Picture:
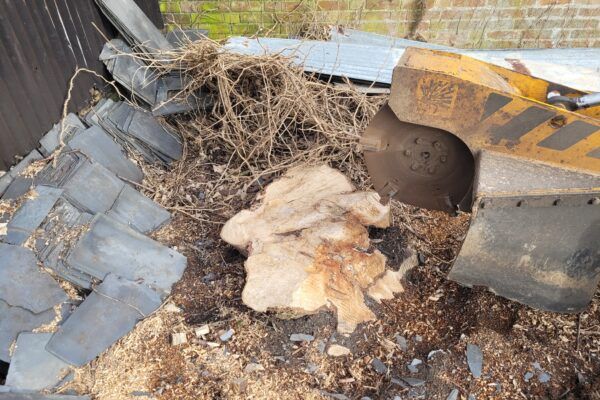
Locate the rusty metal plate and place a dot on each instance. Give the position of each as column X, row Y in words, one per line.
column 415, row 164
column 540, row 250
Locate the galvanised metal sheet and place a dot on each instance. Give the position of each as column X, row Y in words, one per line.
column 42, row 42
column 578, row 68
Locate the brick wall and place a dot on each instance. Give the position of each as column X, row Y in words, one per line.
column 461, row 23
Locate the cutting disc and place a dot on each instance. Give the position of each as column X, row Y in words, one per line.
column 416, row 164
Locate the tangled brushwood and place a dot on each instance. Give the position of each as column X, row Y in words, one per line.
column 266, row 116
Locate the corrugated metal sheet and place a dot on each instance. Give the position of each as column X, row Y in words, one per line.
column 42, row 42
column 581, row 57
column 373, row 63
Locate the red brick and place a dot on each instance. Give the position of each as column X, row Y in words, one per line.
column 589, row 12
column 581, row 34
column 247, row 5
column 504, row 35
column 293, row 6
column 331, row 5
column 591, row 23
column 271, row 5
column 510, row 13
column 383, row 4
column 553, row 2
column 468, row 3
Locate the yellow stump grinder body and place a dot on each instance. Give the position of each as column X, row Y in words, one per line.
column 461, row 133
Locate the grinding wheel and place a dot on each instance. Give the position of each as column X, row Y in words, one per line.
column 417, row 165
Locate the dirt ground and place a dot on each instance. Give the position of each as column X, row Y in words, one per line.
column 261, row 362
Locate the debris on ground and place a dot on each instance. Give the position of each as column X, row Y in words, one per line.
column 474, row 359
column 335, row 350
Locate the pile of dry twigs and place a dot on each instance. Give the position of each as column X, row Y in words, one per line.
column 266, row 116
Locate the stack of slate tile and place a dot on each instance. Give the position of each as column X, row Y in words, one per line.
column 80, row 219
column 160, row 92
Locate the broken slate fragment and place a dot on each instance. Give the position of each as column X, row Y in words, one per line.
column 453, row 395
column 32, row 367
column 112, row 247
column 406, row 381
column 544, row 377
column 413, row 366
column 227, row 335
column 401, row 341
column 474, row 359
column 106, row 315
column 379, row 366
column 23, row 284
column 14, row 320
column 301, row 337
column 31, row 214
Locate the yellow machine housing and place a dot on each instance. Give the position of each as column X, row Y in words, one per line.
column 461, row 133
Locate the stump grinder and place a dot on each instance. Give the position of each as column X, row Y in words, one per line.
column 521, row 153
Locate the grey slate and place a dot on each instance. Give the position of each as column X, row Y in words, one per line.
column 31, row 214
column 38, row 396
column 5, row 181
column 25, row 162
column 17, row 187
column 14, row 320
column 96, row 144
column 474, row 360
column 23, row 284
column 13, row 184
column 453, row 395
column 178, row 37
column 138, row 296
column 93, row 188
column 134, row 25
column 50, row 141
column 112, row 247
column 146, row 128
column 103, row 318
column 59, row 171
column 379, row 366
column 136, row 129
column 51, row 247
column 32, row 367
column 131, row 72
column 136, row 210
